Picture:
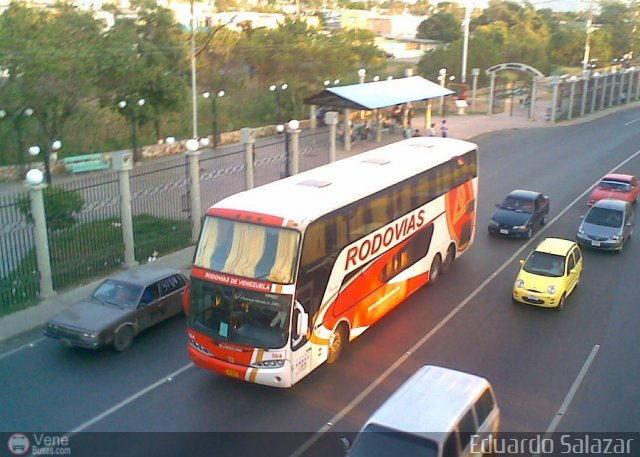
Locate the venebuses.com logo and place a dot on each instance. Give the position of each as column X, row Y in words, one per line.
column 38, row 444
column 18, row 444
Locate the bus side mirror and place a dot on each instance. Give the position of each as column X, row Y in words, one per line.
column 302, row 326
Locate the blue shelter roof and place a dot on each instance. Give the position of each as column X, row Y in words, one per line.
column 380, row 94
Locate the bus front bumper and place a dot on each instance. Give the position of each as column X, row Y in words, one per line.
column 274, row 377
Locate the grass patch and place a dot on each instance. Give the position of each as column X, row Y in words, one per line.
column 90, row 250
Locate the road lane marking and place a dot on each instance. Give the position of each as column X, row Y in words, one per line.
column 569, row 397
column 356, row 401
column 572, row 391
column 132, row 398
column 631, row 122
column 20, row 348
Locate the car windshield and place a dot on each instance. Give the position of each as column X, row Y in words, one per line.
column 248, row 250
column 118, row 293
column 605, row 217
column 245, row 317
column 545, row 264
column 516, row 204
column 378, row 441
column 615, row 185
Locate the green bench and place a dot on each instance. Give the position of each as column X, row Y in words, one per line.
column 85, row 162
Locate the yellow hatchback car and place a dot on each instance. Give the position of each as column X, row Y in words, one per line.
column 550, row 273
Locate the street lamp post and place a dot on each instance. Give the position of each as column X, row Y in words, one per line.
column 214, row 114
column 17, row 117
column 132, row 112
column 442, row 77
column 276, row 91
column 362, row 73
column 53, row 149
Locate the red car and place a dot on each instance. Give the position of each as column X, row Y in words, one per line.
column 616, row 186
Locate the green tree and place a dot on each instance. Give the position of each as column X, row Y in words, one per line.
column 61, row 207
column 50, row 59
column 567, row 46
column 146, row 58
column 444, row 27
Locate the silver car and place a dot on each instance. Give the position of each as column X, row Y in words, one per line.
column 608, row 225
column 121, row 307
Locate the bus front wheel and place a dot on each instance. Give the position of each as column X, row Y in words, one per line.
column 434, row 272
column 337, row 343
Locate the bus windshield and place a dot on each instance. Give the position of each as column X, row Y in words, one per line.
column 248, row 250
column 243, row 317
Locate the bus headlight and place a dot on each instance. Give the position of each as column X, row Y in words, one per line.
column 268, row 364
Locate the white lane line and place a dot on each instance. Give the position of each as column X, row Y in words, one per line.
column 20, row 348
column 356, row 401
column 631, row 122
column 132, row 398
column 574, row 388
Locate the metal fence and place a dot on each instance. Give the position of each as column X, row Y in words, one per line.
column 93, row 244
column 19, row 285
column 88, row 243
column 314, row 149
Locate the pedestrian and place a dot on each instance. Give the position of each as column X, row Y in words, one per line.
column 443, row 128
column 416, row 132
column 432, row 129
column 407, row 132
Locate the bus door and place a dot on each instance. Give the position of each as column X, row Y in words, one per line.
column 300, row 345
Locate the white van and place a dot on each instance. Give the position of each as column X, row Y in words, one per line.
column 437, row 412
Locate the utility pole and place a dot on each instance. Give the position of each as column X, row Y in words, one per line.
column 587, row 44
column 465, row 46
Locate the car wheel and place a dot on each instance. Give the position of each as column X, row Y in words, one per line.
column 448, row 260
column 123, row 339
column 337, row 343
column 560, row 303
column 543, row 221
column 434, row 272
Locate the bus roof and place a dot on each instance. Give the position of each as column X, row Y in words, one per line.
column 304, row 197
column 432, row 400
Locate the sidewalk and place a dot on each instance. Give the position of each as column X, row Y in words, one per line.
column 460, row 126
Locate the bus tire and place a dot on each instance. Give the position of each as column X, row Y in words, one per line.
column 448, row 260
column 338, row 341
column 434, row 271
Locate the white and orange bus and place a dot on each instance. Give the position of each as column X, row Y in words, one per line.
column 286, row 274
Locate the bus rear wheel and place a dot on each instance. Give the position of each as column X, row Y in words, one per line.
column 338, row 341
column 448, row 261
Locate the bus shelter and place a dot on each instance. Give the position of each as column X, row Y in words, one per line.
column 374, row 96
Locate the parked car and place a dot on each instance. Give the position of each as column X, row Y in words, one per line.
column 617, row 187
column 550, row 273
column 519, row 213
column 607, row 225
column 122, row 306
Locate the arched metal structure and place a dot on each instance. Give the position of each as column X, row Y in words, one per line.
column 537, row 75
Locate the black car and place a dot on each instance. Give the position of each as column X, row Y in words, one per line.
column 519, row 213
column 121, row 307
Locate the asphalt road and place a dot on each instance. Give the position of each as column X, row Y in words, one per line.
column 570, row 371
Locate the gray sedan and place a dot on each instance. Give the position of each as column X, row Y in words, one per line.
column 121, row 307
column 607, row 225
